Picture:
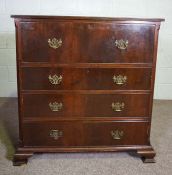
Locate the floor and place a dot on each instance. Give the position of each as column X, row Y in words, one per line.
column 92, row 163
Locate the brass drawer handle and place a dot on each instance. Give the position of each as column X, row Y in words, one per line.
column 56, row 134
column 55, row 79
column 117, row 135
column 55, row 43
column 119, row 79
column 55, row 106
column 117, row 107
column 121, row 44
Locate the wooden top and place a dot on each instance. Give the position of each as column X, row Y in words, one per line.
column 87, row 18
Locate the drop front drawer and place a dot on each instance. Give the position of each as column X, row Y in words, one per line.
column 86, row 42
column 85, row 105
column 86, row 78
column 77, row 133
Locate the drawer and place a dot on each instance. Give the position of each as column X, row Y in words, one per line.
column 45, row 41
column 86, row 42
column 85, row 105
column 86, row 78
column 86, row 133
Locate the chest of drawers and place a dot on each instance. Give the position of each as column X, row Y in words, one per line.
column 85, row 84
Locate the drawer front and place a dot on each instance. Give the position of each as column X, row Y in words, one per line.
column 85, row 105
column 114, row 43
column 86, row 78
column 85, row 133
column 38, row 44
column 78, row 42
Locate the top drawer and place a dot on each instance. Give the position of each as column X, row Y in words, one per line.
column 86, row 42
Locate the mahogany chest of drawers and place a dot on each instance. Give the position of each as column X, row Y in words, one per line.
column 85, row 84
